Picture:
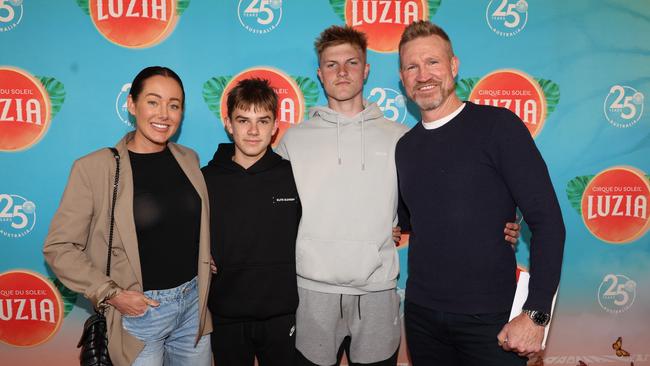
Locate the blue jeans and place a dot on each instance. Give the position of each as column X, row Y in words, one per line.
column 169, row 330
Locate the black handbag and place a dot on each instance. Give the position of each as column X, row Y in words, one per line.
column 94, row 340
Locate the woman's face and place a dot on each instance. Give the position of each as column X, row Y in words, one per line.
column 158, row 112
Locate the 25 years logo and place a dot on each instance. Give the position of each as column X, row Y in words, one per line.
column 17, row 215
column 507, row 17
column 121, row 108
column 623, row 106
column 11, row 13
column 616, row 293
column 383, row 21
column 259, row 16
column 27, row 106
column 390, row 101
column 295, row 94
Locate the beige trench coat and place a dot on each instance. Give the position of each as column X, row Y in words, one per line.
column 76, row 246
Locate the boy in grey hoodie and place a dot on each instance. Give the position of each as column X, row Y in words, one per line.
column 343, row 159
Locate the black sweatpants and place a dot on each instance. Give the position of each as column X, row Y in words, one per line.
column 272, row 341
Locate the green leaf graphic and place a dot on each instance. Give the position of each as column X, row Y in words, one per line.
column 83, row 4
column 181, row 6
column 212, row 91
column 552, row 93
column 574, row 190
column 465, row 86
column 309, row 89
column 56, row 90
column 339, row 8
column 433, row 7
column 69, row 296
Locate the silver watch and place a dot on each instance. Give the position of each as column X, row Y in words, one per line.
column 538, row 317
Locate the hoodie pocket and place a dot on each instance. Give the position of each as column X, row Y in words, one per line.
column 340, row 262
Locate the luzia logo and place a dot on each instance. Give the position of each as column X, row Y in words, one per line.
column 27, row 106
column 531, row 99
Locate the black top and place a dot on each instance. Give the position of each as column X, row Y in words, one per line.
column 167, row 213
column 253, row 224
column 460, row 184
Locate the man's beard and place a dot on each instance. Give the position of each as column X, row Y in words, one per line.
column 432, row 103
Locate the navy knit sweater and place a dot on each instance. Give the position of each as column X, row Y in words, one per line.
column 460, row 184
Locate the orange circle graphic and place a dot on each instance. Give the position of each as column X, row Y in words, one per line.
column 515, row 90
column 384, row 21
column 134, row 23
column 291, row 103
column 31, row 308
column 615, row 204
column 24, row 109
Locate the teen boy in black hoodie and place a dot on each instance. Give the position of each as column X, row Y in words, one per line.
column 254, row 221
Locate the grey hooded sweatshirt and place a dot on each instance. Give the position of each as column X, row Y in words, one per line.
column 347, row 181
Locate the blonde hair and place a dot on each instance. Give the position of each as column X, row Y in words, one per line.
column 337, row 35
column 423, row 28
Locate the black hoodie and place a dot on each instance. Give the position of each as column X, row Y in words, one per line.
column 254, row 216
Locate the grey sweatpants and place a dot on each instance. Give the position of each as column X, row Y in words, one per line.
column 372, row 321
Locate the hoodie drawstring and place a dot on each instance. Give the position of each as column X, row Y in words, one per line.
column 363, row 144
column 338, row 138
column 363, row 140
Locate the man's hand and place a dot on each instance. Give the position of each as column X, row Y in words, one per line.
column 522, row 336
column 397, row 235
column 131, row 303
column 213, row 266
column 512, row 232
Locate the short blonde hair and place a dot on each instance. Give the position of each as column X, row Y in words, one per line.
column 337, row 35
column 423, row 28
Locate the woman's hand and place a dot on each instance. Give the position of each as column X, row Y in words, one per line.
column 131, row 303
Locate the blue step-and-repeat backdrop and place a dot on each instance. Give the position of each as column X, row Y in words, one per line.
column 576, row 72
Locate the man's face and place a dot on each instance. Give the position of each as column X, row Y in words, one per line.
column 342, row 71
column 427, row 71
column 251, row 131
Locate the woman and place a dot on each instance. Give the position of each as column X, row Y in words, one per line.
column 156, row 295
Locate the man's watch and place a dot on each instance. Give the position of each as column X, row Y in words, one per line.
column 538, row 317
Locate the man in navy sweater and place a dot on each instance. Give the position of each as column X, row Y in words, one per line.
column 470, row 164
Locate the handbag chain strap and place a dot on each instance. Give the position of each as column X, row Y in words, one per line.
column 110, row 232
